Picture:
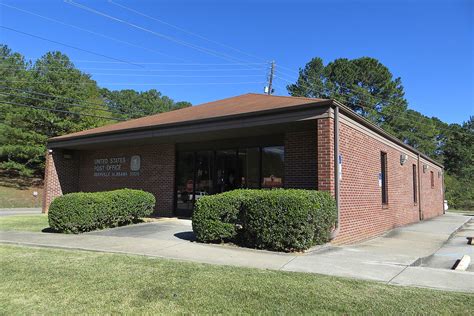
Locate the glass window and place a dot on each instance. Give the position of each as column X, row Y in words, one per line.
column 226, row 170
column 273, row 166
column 415, row 185
column 383, row 174
column 207, row 172
column 204, row 178
column 185, row 181
column 249, row 166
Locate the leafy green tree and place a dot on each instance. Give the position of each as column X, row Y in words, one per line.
column 51, row 97
column 25, row 124
column 134, row 104
column 459, row 163
column 363, row 84
column 369, row 88
column 459, row 149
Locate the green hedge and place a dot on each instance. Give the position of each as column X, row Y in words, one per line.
column 283, row 220
column 81, row 212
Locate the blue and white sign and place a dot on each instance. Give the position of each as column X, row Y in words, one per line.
column 339, row 169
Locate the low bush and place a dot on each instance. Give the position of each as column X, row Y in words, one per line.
column 215, row 216
column 81, row 212
column 282, row 220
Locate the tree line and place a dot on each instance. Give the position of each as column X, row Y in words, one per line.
column 51, row 97
column 369, row 88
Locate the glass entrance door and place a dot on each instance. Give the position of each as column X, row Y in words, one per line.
column 227, row 177
column 184, row 183
column 199, row 173
column 204, row 174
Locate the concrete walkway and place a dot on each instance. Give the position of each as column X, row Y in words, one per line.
column 454, row 249
column 20, row 211
column 391, row 258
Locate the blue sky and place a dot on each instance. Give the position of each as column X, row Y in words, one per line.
column 429, row 44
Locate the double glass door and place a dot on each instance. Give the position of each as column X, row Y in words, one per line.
column 199, row 173
column 227, row 177
column 194, row 179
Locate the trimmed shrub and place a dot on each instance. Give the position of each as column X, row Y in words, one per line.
column 215, row 216
column 81, row 212
column 282, row 220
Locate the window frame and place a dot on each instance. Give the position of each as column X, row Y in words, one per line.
column 415, row 184
column 384, row 177
column 432, row 179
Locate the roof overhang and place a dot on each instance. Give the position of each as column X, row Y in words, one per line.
column 166, row 132
column 362, row 120
column 231, row 124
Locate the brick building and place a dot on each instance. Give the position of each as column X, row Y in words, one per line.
column 255, row 141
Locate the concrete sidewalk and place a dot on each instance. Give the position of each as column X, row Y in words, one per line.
column 20, row 211
column 454, row 249
column 389, row 258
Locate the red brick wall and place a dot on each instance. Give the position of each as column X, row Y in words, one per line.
column 432, row 197
column 309, row 163
column 156, row 173
column 325, row 152
column 301, row 158
column 361, row 210
column 61, row 175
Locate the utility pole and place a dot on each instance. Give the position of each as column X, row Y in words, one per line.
column 270, row 78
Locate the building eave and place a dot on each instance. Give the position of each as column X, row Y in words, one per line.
column 362, row 120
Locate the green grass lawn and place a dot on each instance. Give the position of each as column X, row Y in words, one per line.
column 11, row 197
column 52, row 281
column 464, row 212
column 32, row 223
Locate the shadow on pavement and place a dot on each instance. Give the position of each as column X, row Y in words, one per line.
column 189, row 236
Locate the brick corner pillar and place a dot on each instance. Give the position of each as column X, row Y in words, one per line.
column 301, row 158
column 325, row 145
column 163, row 181
column 61, row 176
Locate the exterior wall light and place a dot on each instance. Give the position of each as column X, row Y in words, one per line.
column 425, row 167
column 403, row 159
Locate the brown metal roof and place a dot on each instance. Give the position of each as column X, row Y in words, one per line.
column 242, row 104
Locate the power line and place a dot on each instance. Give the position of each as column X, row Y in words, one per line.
column 143, row 84
column 67, row 45
column 160, row 35
column 68, row 99
column 156, row 75
column 51, row 68
column 194, row 34
column 170, row 38
column 287, row 68
column 88, row 31
column 283, row 73
column 183, row 30
column 53, row 96
column 173, row 76
column 159, row 63
column 57, row 101
column 59, row 111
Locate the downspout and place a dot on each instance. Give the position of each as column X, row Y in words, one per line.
column 335, row 232
column 443, row 188
column 420, row 213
